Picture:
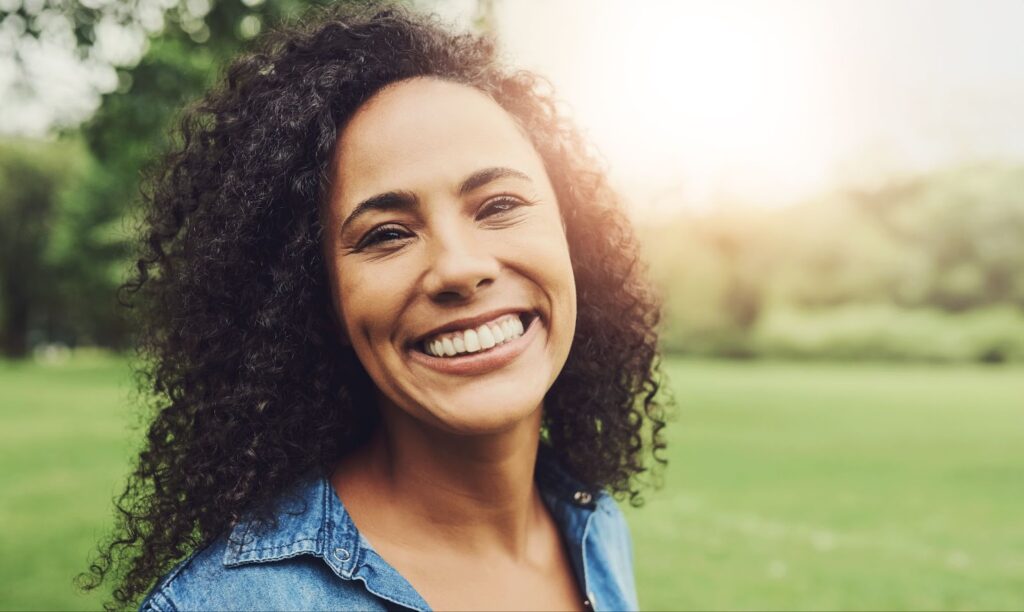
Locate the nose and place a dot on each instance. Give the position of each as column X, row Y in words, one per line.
column 459, row 264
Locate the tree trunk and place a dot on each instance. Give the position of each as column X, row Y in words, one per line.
column 14, row 330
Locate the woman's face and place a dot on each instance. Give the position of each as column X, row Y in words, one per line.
column 447, row 257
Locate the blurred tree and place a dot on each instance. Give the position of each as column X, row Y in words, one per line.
column 180, row 63
column 968, row 223
column 31, row 178
column 87, row 250
column 78, row 242
column 860, row 269
column 133, row 124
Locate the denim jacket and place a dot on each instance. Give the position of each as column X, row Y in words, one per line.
column 315, row 559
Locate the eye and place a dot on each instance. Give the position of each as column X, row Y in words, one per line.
column 499, row 205
column 383, row 234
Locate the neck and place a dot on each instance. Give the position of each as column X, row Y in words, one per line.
column 475, row 491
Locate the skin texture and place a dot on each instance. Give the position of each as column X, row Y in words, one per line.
column 445, row 486
column 251, row 381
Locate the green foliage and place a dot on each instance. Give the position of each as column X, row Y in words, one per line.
column 62, row 248
column 32, row 177
column 66, row 213
column 883, row 274
column 88, row 248
column 885, row 331
column 968, row 224
column 133, row 124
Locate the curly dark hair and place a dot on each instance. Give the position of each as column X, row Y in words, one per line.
column 239, row 345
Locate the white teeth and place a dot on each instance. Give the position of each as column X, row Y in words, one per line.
column 472, row 342
column 488, row 335
column 499, row 336
column 486, row 338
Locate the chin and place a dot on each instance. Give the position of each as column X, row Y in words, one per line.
column 484, row 397
column 485, row 408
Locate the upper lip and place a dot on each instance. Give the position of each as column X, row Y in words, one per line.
column 471, row 322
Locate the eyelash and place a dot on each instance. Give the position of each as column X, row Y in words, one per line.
column 376, row 237
column 491, row 205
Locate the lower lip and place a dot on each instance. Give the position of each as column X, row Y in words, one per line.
column 482, row 362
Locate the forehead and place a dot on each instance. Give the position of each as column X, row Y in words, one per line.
column 427, row 133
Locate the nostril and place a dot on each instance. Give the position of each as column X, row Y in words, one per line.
column 450, row 296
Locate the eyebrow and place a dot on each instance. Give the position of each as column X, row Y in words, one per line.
column 481, row 177
column 392, row 200
column 404, row 200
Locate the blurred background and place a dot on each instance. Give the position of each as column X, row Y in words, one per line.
column 831, row 200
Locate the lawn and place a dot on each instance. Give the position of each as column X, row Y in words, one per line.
column 822, row 486
column 790, row 486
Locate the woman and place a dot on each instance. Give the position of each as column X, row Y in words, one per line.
column 398, row 337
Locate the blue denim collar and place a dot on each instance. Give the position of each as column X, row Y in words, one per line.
column 313, row 521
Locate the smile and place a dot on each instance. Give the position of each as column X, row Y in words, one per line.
column 479, row 349
column 480, row 338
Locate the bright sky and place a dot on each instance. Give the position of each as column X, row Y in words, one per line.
column 700, row 101
column 767, row 102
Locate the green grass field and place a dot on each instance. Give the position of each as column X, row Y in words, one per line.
column 790, row 486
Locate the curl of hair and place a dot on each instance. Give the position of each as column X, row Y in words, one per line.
column 238, row 343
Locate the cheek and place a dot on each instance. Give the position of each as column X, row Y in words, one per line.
column 542, row 249
column 547, row 247
column 368, row 303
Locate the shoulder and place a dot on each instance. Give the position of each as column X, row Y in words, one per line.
column 283, row 564
column 302, row 582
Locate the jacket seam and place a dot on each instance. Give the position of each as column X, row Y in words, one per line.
column 243, row 551
column 164, row 588
column 158, row 602
column 386, row 597
column 271, row 558
column 583, row 557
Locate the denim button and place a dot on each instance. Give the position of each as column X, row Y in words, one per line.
column 582, row 498
column 342, row 554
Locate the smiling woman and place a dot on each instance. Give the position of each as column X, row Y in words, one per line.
column 474, row 241
column 398, row 338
